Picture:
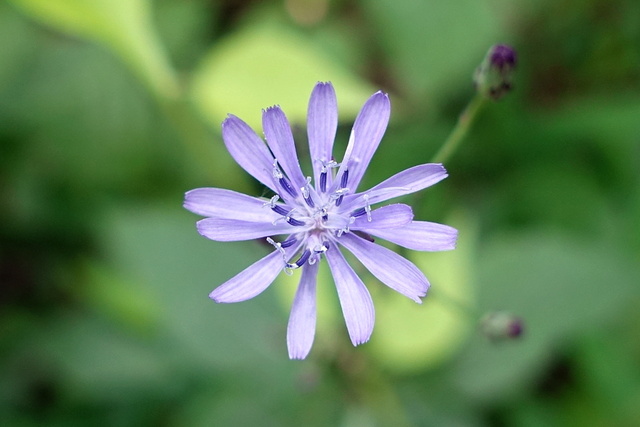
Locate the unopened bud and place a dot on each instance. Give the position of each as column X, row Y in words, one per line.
column 500, row 326
column 493, row 77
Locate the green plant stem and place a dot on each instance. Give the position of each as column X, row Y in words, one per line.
column 459, row 132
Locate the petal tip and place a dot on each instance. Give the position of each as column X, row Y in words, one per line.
column 295, row 354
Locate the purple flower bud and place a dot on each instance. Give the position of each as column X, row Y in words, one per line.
column 500, row 326
column 493, row 77
column 502, row 57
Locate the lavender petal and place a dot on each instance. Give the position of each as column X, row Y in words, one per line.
column 366, row 134
column 252, row 280
column 355, row 300
column 302, row 321
column 387, row 266
column 390, row 216
column 280, row 140
column 322, row 122
column 232, row 230
column 248, row 150
column 406, row 182
column 221, row 203
column 421, row 236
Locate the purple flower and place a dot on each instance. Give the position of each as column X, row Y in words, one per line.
column 318, row 220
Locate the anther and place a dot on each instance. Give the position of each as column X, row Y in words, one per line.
column 325, row 214
column 323, row 173
column 279, row 209
column 323, row 180
column 344, row 179
column 358, row 212
column 303, row 258
column 288, row 242
column 338, row 195
column 306, row 195
column 284, row 182
column 294, row 221
column 299, row 263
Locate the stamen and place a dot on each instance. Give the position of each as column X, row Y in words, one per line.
column 364, row 235
column 367, row 207
column 276, row 245
column 338, row 195
column 303, row 258
column 358, row 212
column 323, row 180
column 276, row 170
column 325, row 214
column 299, row 263
column 272, row 201
column 294, row 221
column 344, row 179
column 280, row 210
column 284, row 182
column 288, row 242
column 306, row 195
column 331, row 164
column 320, row 249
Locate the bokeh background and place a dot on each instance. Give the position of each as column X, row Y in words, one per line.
column 111, row 109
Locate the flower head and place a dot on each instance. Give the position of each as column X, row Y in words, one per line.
column 318, row 220
column 493, row 77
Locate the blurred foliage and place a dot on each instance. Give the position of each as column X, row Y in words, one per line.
column 110, row 111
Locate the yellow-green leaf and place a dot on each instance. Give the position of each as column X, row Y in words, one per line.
column 411, row 337
column 124, row 26
column 265, row 65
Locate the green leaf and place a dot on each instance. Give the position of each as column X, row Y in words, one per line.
column 411, row 337
column 559, row 287
column 263, row 65
column 124, row 26
column 162, row 248
column 433, row 44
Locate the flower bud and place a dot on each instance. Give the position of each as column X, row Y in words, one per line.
column 500, row 326
column 493, row 77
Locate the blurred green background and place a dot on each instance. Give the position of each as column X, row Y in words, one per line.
column 111, row 109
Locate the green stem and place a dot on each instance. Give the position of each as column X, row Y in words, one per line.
column 462, row 127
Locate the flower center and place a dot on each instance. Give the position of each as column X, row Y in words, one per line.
column 315, row 213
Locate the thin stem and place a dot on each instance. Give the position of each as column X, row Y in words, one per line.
column 459, row 132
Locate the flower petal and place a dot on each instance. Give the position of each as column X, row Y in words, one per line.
column 355, row 300
column 232, row 230
column 322, row 122
column 254, row 279
column 280, row 140
column 302, row 321
column 221, row 203
column 365, row 137
column 406, row 182
column 421, row 236
column 248, row 150
column 387, row 266
column 390, row 216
